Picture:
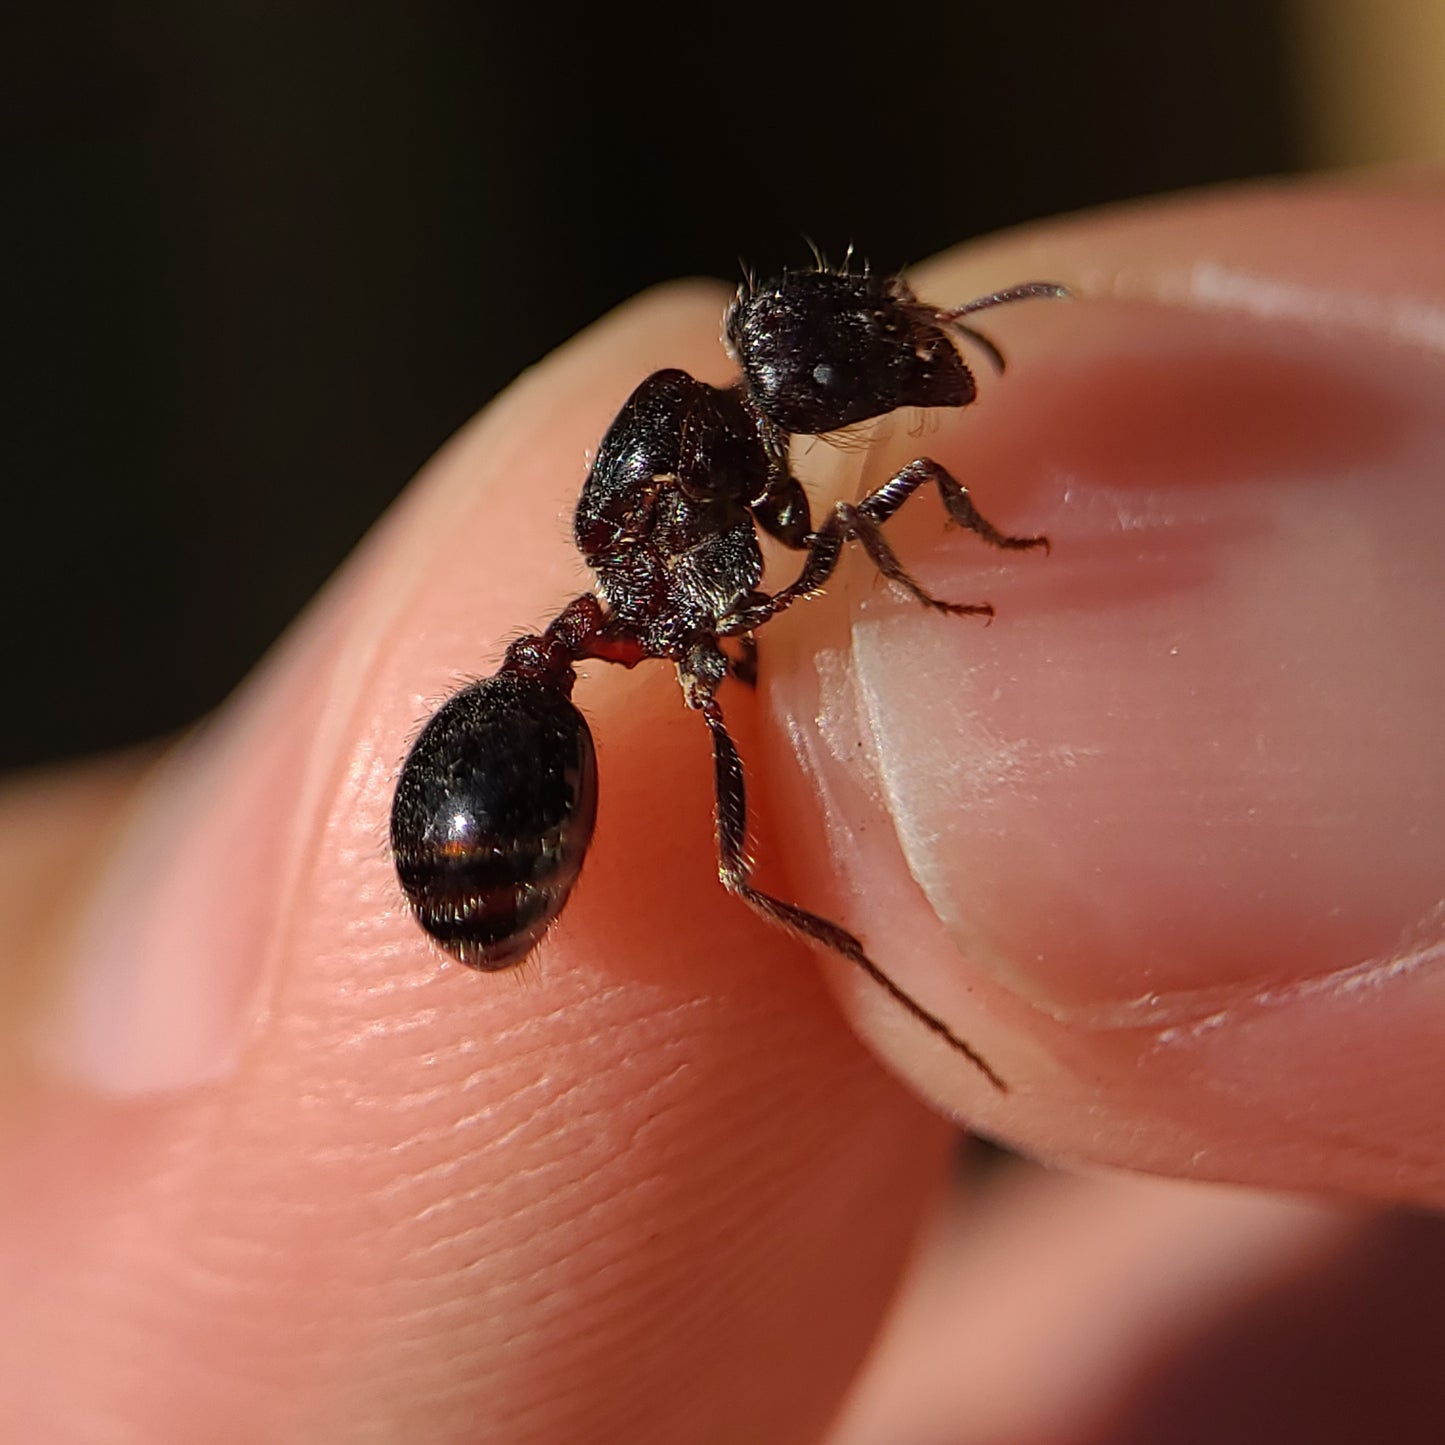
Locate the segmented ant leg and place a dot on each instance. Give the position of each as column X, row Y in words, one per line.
column 879, row 505
column 734, row 870
column 863, row 522
column 825, row 547
column 870, row 534
column 845, row 524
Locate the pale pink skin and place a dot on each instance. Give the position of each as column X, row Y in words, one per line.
column 1165, row 842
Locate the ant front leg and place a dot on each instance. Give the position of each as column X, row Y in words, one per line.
column 700, row 675
column 863, row 522
column 881, row 504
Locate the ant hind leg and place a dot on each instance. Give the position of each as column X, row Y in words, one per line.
column 734, row 871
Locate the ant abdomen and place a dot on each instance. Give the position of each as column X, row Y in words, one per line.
column 492, row 817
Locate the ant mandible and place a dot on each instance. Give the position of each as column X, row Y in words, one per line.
column 496, row 801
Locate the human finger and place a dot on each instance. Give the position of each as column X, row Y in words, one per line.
column 1070, row 1310
column 1164, row 840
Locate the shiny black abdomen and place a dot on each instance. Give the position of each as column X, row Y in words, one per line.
column 492, row 817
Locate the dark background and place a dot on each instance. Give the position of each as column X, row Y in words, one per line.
column 261, row 259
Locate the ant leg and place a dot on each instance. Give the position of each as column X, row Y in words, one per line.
column 846, row 523
column 869, row 515
column 879, row 505
column 868, row 531
column 863, row 522
column 782, row 511
column 734, row 871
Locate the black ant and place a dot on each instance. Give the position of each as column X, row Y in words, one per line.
column 496, row 801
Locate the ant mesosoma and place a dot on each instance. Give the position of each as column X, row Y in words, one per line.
column 496, row 801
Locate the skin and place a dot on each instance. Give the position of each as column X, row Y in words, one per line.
column 1164, row 841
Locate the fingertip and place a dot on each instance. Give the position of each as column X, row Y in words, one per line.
column 1181, row 794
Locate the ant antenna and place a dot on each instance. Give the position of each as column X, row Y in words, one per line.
column 1028, row 291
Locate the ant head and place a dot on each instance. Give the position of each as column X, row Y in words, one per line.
column 820, row 350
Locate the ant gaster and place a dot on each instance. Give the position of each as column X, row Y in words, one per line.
column 496, row 801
